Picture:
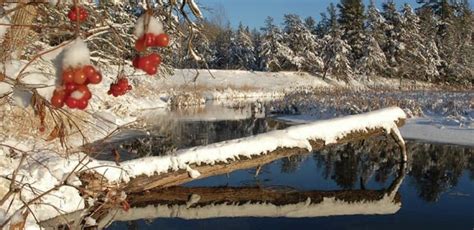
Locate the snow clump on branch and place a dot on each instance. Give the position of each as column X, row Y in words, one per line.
column 76, row 55
column 154, row 26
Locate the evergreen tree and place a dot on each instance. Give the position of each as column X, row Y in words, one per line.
column 376, row 24
column 257, row 41
column 311, row 25
column 221, row 47
column 271, row 47
column 303, row 44
column 414, row 60
column 373, row 61
column 392, row 47
column 336, row 54
column 242, row 49
column 351, row 21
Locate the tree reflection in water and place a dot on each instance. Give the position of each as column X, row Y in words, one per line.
column 433, row 168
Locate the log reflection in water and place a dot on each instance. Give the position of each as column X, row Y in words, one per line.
column 205, row 202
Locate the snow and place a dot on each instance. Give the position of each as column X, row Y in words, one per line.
column 77, row 95
column 42, row 172
column 154, row 26
column 77, row 54
column 21, row 97
column 89, row 221
column 433, row 129
column 193, row 173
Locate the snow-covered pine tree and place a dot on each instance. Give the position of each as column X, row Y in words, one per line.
column 271, row 47
column 465, row 30
column 428, row 32
column 311, row 25
column 351, row 20
column 221, row 47
column 257, row 41
column 301, row 42
column 413, row 60
column 336, row 55
column 373, row 61
column 455, row 35
column 393, row 47
column 376, row 24
column 242, row 49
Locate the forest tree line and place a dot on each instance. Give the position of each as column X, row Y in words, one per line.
column 433, row 42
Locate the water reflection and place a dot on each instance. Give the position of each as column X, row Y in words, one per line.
column 437, row 168
column 434, row 168
column 218, row 202
column 175, row 134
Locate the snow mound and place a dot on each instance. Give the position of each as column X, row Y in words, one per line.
column 76, row 55
column 154, row 26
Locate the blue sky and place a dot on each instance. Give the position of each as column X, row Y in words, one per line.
column 254, row 12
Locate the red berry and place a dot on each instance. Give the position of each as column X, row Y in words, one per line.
column 57, row 101
column 79, row 76
column 140, row 45
column 149, row 39
column 77, row 13
column 83, row 14
column 67, row 75
column 95, row 79
column 42, row 128
column 123, row 81
column 88, row 70
column 71, row 102
column 70, row 87
column 72, row 15
column 152, row 70
column 82, row 104
column 155, row 58
column 162, row 40
column 61, row 92
column 144, row 62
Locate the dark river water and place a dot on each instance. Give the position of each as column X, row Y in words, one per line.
column 359, row 185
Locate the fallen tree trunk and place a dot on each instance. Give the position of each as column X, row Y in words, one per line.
column 186, row 165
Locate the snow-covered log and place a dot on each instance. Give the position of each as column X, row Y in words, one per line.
column 224, row 157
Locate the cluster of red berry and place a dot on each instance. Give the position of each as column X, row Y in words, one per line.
column 151, row 40
column 150, row 62
column 119, row 88
column 77, row 13
column 74, row 91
